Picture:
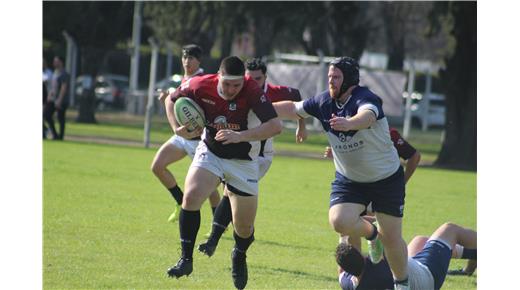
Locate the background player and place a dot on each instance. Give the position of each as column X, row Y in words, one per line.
column 177, row 147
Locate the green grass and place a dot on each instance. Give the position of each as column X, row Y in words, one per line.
column 104, row 223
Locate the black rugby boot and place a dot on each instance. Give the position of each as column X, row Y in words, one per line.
column 182, row 268
column 238, row 268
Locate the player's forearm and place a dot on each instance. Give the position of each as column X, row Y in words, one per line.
column 170, row 113
column 362, row 120
column 264, row 131
column 286, row 110
column 301, row 125
column 411, row 165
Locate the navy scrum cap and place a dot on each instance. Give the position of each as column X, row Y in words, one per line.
column 350, row 69
column 192, row 50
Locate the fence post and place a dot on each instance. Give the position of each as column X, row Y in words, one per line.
column 408, row 107
column 132, row 106
column 426, row 101
column 71, row 65
column 151, row 87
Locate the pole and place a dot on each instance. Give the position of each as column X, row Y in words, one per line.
column 134, row 64
column 408, row 111
column 426, row 101
column 151, row 86
column 71, row 64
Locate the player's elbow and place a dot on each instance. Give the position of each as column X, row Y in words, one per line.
column 276, row 126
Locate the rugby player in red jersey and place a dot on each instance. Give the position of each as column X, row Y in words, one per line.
column 256, row 69
column 238, row 116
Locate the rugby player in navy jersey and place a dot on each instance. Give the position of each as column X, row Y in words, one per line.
column 427, row 265
column 177, row 147
column 367, row 164
column 256, row 69
column 238, row 116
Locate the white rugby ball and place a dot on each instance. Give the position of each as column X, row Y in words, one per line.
column 189, row 113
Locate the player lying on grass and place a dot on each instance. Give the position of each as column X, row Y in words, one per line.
column 429, row 258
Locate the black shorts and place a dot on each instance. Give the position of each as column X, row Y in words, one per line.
column 387, row 195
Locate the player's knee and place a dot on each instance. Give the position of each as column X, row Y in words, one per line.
column 392, row 240
column 449, row 226
column 156, row 167
column 243, row 230
column 341, row 224
column 191, row 200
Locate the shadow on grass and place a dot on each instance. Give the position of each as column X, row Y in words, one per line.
column 296, row 273
column 277, row 244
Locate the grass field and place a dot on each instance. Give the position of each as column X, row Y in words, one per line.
column 104, row 222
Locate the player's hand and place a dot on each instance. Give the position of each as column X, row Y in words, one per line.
column 339, row 123
column 301, row 135
column 227, row 136
column 183, row 132
column 328, row 152
column 163, row 95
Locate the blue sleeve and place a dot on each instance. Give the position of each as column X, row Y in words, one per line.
column 312, row 107
column 345, row 282
column 374, row 101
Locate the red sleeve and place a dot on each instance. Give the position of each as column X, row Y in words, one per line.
column 404, row 149
column 282, row 93
column 186, row 89
column 260, row 104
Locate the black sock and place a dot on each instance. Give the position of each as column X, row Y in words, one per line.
column 213, row 210
column 189, row 223
column 470, row 254
column 243, row 244
column 176, row 194
column 221, row 219
column 374, row 233
column 402, row 282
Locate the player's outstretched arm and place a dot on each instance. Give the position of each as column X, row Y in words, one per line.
column 411, row 165
column 286, row 110
column 264, row 131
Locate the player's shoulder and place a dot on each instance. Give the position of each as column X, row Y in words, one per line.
column 363, row 94
column 322, row 98
column 201, row 81
column 251, row 88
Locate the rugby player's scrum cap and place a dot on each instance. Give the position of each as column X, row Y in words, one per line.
column 192, row 50
column 350, row 69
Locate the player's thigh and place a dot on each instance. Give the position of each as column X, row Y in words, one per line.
column 390, row 226
column 244, row 212
column 345, row 214
column 416, row 245
column 167, row 154
column 199, row 184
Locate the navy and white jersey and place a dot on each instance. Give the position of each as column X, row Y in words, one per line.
column 366, row 155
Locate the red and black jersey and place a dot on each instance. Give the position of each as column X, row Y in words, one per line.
column 404, row 149
column 222, row 114
column 281, row 93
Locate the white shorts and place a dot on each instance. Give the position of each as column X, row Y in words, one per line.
column 189, row 146
column 242, row 175
column 264, row 163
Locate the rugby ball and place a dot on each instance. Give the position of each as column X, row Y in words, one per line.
column 189, row 113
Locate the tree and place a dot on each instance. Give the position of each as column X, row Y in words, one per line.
column 459, row 79
column 96, row 28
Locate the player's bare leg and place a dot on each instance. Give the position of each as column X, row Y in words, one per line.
column 244, row 212
column 199, row 185
column 166, row 155
column 395, row 247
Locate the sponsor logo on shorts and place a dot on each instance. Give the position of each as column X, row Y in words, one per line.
column 252, row 180
column 401, row 209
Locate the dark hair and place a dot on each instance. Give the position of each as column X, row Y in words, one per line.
column 350, row 69
column 350, row 259
column 192, row 50
column 232, row 65
column 256, row 64
column 61, row 58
